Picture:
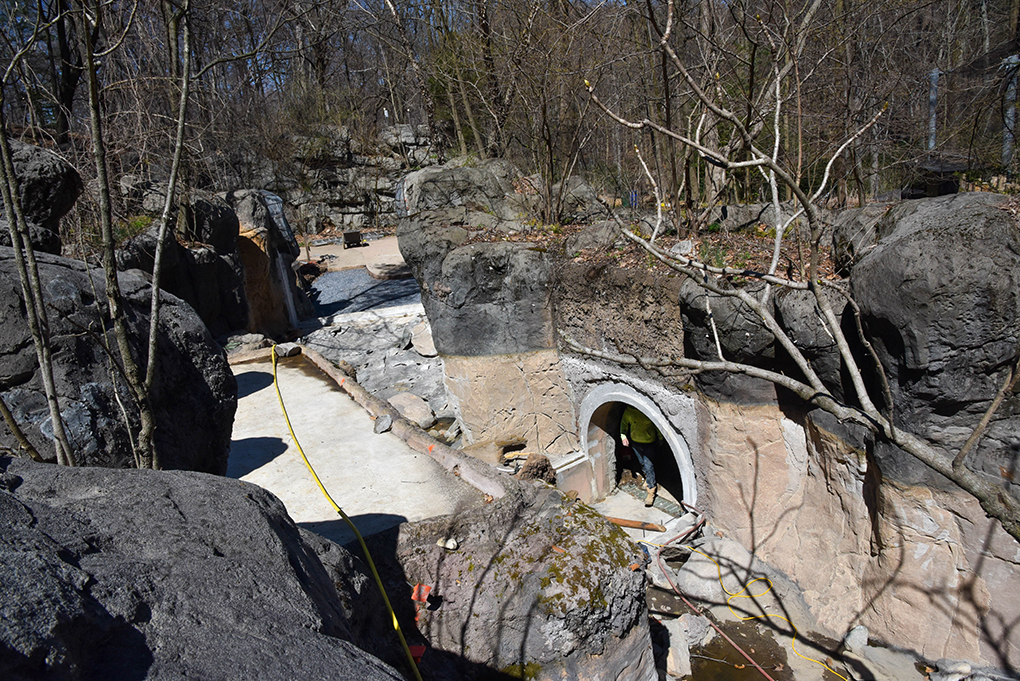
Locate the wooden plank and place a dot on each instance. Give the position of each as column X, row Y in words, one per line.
column 636, row 524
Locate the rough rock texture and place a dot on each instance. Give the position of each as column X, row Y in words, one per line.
column 915, row 565
column 741, row 336
column 855, row 233
column 206, row 270
column 522, row 397
column 486, row 299
column 47, row 188
column 489, row 187
column 538, row 586
column 537, row 467
column 489, row 308
column 268, row 250
column 421, row 340
column 612, row 308
column 330, row 178
column 908, row 555
column 148, row 574
column 383, row 364
column 414, row 409
column 601, row 235
column 951, row 330
column 797, row 312
column 578, row 202
column 744, row 338
column 194, row 396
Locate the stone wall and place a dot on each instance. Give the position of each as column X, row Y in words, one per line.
column 490, row 309
column 913, row 564
column 508, row 398
column 870, row 536
column 867, row 537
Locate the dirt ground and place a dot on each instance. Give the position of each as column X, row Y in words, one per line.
column 334, row 257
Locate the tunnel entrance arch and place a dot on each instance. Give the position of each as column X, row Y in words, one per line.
column 599, row 409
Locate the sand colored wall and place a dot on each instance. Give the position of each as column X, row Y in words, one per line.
column 916, row 566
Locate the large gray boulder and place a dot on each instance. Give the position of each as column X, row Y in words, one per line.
column 47, row 188
column 577, row 201
column 194, row 396
column 488, row 187
column 855, row 231
column 205, row 270
column 940, row 297
column 743, row 337
column 535, row 585
column 481, row 299
column 149, row 574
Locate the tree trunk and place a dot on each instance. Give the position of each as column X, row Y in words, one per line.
column 145, row 456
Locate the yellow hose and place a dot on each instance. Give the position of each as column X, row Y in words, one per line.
column 742, row 594
column 361, row 541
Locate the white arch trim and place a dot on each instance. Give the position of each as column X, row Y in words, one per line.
column 621, row 392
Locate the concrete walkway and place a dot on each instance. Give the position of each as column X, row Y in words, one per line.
column 384, row 251
column 378, row 480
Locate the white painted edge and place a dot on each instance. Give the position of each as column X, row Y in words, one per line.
column 620, row 392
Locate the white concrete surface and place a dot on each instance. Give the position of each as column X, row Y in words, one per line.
column 377, row 479
column 620, row 504
column 382, row 251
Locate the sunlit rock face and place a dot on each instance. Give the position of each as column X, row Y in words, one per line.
column 194, row 395
column 538, row 584
column 148, row 574
column 869, row 534
column 940, row 297
column 489, row 306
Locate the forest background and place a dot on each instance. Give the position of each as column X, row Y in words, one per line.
column 507, row 79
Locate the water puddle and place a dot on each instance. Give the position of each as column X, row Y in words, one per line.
column 720, row 661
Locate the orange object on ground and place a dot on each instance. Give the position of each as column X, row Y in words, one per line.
column 421, row 593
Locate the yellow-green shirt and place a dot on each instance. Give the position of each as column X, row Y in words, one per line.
column 638, row 427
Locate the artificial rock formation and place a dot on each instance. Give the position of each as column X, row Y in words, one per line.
column 491, row 187
column 538, row 586
column 47, row 188
column 343, row 182
column 909, row 554
column 194, row 396
column 150, row 574
column 203, row 267
column 268, row 250
column 489, row 307
column 952, row 331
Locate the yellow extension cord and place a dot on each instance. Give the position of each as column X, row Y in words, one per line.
column 361, row 541
column 742, row 594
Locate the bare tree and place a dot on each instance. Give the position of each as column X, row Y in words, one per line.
column 24, row 254
column 994, row 499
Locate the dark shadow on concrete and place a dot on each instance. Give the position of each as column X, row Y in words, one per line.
column 252, row 453
column 357, row 291
column 368, row 524
column 250, row 382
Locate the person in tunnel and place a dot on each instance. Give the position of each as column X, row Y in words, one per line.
column 639, row 433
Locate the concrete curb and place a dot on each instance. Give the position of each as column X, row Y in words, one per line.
column 476, row 473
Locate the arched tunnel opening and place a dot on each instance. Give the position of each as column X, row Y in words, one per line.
column 623, row 469
column 613, row 465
